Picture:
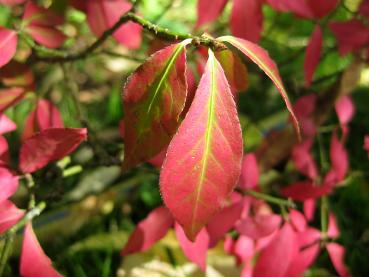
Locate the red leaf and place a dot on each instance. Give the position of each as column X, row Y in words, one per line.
column 16, row 74
column 309, row 209
column 41, row 23
column 304, row 107
column 227, row 217
column 250, row 172
column 259, row 226
column 8, row 185
column 11, row 2
column 4, row 151
column 275, row 259
column 261, row 57
column 300, row 8
column 337, row 253
column 6, row 125
column 8, row 45
column 195, row 251
column 49, row 145
column 366, row 143
column 351, row 35
column 339, row 158
column 297, row 220
column 244, row 249
column 322, row 8
column 364, row 8
column 10, row 96
column 149, row 231
column 154, row 98
column 33, row 261
column 302, row 191
column 302, row 261
column 247, row 19
column 345, row 110
column 308, row 237
column 103, row 14
column 209, row 10
column 303, row 159
column 9, row 215
column 45, row 116
column 203, row 161
column 312, row 56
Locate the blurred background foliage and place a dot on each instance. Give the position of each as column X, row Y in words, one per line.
column 93, row 206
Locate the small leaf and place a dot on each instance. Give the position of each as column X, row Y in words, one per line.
column 149, row 231
column 9, row 215
column 6, row 125
column 345, row 110
column 195, row 251
column 303, row 260
column 303, row 159
column 4, row 151
column 8, row 185
column 339, row 158
column 275, row 259
column 333, row 230
column 203, row 160
column 33, row 261
column 259, row 226
column 209, row 11
column 337, row 253
column 305, row 190
column 154, row 98
column 261, row 57
column 247, row 19
column 250, row 172
column 312, row 55
column 8, row 45
column 49, row 145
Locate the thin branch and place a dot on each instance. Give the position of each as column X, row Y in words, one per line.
column 271, row 199
column 166, row 34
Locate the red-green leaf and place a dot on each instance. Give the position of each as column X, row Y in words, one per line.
column 261, row 57
column 10, row 96
column 154, row 98
column 203, row 160
column 49, row 145
column 8, row 45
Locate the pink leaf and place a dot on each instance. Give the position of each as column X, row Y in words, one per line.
column 150, row 230
column 366, row 143
column 309, row 209
column 10, row 96
column 333, row 230
column 261, row 57
column 345, row 109
column 247, row 19
column 228, row 217
column 302, row 261
column 6, row 125
column 259, row 226
column 337, row 253
column 304, row 107
column 34, row 262
column 209, row 10
column 312, row 56
column 49, row 145
column 303, row 159
column 8, row 184
column 4, row 151
column 47, row 36
column 250, row 172
column 9, row 215
column 45, row 116
column 339, row 158
column 11, row 2
column 244, row 249
column 351, row 35
column 275, row 259
column 103, row 14
column 308, row 237
column 195, row 251
column 203, row 161
column 8, row 45
column 298, row 220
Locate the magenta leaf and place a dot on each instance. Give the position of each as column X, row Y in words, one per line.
column 275, row 259
column 49, row 145
column 8, row 45
column 339, row 158
column 259, row 226
column 209, row 10
column 250, row 172
column 333, row 230
column 312, row 55
column 8, row 184
column 203, row 160
column 297, row 220
column 195, row 251
column 303, row 159
column 149, row 231
column 345, row 109
column 6, row 125
column 9, row 215
column 305, row 190
column 247, row 19
column 34, row 261
column 337, row 253
column 302, row 261
column 4, row 151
